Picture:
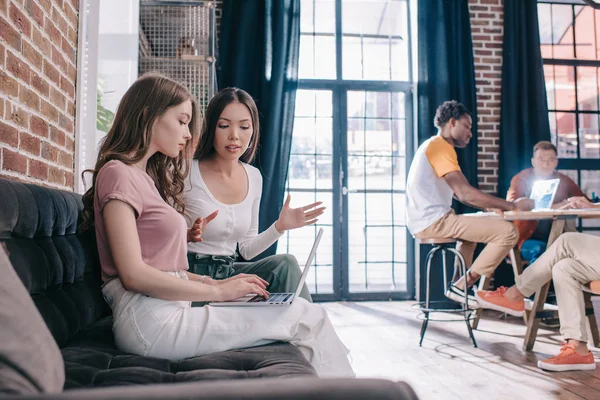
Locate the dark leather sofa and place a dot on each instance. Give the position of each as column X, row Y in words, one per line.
column 60, row 269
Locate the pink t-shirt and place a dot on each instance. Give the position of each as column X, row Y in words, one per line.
column 161, row 229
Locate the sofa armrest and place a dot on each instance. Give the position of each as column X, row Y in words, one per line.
column 255, row 389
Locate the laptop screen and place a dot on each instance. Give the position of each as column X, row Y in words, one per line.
column 543, row 193
column 311, row 257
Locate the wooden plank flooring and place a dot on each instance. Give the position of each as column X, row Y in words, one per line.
column 383, row 338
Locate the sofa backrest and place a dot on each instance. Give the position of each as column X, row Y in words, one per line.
column 59, row 267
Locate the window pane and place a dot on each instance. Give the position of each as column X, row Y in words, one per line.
column 587, row 88
column 585, row 37
column 561, row 31
column 545, row 24
column 589, row 137
column 317, row 57
column 549, row 80
column 318, row 19
column 375, row 40
column 590, row 185
column 298, row 242
column 377, row 251
column 564, row 87
column 566, row 135
column 374, row 17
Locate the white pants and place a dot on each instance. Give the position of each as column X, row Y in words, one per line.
column 572, row 261
column 174, row 330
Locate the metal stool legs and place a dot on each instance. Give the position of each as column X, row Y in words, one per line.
column 428, row 309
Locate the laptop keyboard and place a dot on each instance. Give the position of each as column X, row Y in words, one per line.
column 273, row 298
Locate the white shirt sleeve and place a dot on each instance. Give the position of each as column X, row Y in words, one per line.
column 252, row 244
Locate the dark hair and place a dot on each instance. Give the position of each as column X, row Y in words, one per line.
column 544, row 145
column 206, row 144
column 129, row 138
column 449, row 109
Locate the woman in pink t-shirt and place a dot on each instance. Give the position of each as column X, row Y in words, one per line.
column 140, row 170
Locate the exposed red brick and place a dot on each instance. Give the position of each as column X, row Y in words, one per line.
column 18, row 67
column 65, row 159
column 52, row 31
column 56, row 175
column 67, row 86
column 2, row 57
column 14, row 161
column 29, row 98
column 20, row 20
column 40, row 84
column 38, row 169
column 9, row 135
column 38, row 126
column 42, row 42
column 59, row 59
column 49, row 152
column 69, row 50
column 51, row 72
column 8, row 85
column 17, row 115
column 69, row 179
column 10, row 34
column 29, row 143
column 32, row 55
column 57, row 136
column 35, row 12
column 49, row 111
column 46, row 5
column 58, row 99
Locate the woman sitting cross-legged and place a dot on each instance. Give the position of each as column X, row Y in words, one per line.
column 222, row 194
column 142, row 244
column 571, row 262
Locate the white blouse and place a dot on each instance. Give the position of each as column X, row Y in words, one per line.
column 236, row 224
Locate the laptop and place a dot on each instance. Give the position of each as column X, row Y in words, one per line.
column 543, row 192
column 275, row 299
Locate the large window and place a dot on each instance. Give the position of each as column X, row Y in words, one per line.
column 349, row 144
column 570, row 45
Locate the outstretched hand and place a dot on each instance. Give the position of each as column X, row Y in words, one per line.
column 292, row 218
column 194, row 234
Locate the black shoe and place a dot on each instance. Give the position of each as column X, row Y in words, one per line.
column 550, row 322
column 458, row 295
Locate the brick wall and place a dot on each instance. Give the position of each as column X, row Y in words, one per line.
column 38, row 48
column 487, row 17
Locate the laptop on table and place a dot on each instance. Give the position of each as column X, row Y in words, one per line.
column 275, row 299
column 543, row 192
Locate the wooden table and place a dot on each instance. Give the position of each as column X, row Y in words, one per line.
column 563, row 220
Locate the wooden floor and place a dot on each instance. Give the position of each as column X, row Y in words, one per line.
column 383, row 339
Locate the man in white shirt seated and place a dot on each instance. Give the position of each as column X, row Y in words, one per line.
column 434, row 179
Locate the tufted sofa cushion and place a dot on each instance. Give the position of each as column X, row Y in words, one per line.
column 60, row 269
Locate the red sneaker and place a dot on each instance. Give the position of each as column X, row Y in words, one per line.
column 568, row 360
column 496, row 300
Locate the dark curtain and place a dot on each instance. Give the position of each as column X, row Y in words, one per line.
column 447, row 72
column 524, row 118
column 258, row 52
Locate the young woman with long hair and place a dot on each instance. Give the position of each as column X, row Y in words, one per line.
column 223, row 194
column 135, row 206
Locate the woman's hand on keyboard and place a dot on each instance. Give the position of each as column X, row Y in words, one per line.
column 231, row 289
column 241, row 276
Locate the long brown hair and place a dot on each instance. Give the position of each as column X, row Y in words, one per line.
column 206, row 144
column 129, row 138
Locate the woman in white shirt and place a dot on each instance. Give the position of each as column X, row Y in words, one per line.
column 222, row 198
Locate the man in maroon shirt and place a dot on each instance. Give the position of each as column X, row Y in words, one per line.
column 533, row 235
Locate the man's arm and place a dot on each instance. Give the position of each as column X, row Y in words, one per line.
column 517, row 188
column 469, row 195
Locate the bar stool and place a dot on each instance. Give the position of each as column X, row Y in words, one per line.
column 427, row 307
